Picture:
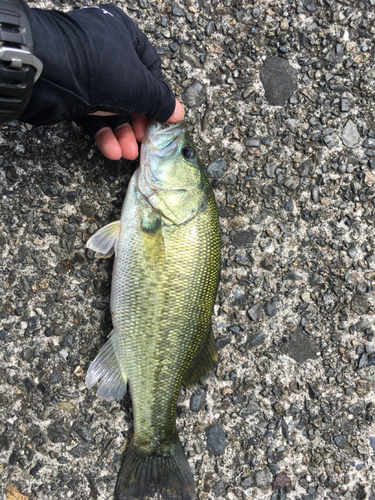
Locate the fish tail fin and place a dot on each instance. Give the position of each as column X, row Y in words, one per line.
column 165, row 472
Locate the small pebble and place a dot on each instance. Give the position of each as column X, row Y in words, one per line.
column 215, row 440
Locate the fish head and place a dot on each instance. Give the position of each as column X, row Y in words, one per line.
column 170, row 175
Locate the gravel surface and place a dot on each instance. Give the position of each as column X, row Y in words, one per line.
column 280, row 100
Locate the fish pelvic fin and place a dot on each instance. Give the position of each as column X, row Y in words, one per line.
column 107, row 368
column 144, row 473
column 104, row 241
column 204, row 363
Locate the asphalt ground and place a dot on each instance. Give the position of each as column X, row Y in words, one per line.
column 279, row 99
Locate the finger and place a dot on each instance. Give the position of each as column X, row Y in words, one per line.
column 145, row 51
column 124, row 134
column 139, row 123
column 178, row 113
column 116, row 121
column 127, row 141
column 102, row 113
column 108, row 144
column 91, row 124
column 157, row 100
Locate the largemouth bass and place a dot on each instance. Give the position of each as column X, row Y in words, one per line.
column 164, row 282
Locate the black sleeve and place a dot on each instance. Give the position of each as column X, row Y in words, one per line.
column 94, row 58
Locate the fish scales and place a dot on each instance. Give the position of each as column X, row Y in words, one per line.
column 173, row 324
column 165, row 277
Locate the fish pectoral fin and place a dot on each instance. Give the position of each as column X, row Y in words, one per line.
column 104, row 241
column 107, row 368
column 204, row 363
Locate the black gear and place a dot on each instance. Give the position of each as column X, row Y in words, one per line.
column 94, row 58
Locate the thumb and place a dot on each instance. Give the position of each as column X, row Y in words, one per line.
column 157, row 100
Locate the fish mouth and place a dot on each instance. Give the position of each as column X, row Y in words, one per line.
column 162, row 139
column 159, row 143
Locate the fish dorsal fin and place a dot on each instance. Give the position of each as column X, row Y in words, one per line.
column 107, row 368
column 104, row 241
column 204, row 362
column 178, row 205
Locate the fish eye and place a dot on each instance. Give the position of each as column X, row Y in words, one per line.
column 188, row 152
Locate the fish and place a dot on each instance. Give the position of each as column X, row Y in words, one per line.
column 164, row 283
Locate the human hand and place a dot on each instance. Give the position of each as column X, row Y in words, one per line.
column 123, row 140
column 101, row 71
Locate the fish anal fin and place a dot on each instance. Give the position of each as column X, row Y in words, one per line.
column 205, row 362
column 107, row 368
column 104, row 241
